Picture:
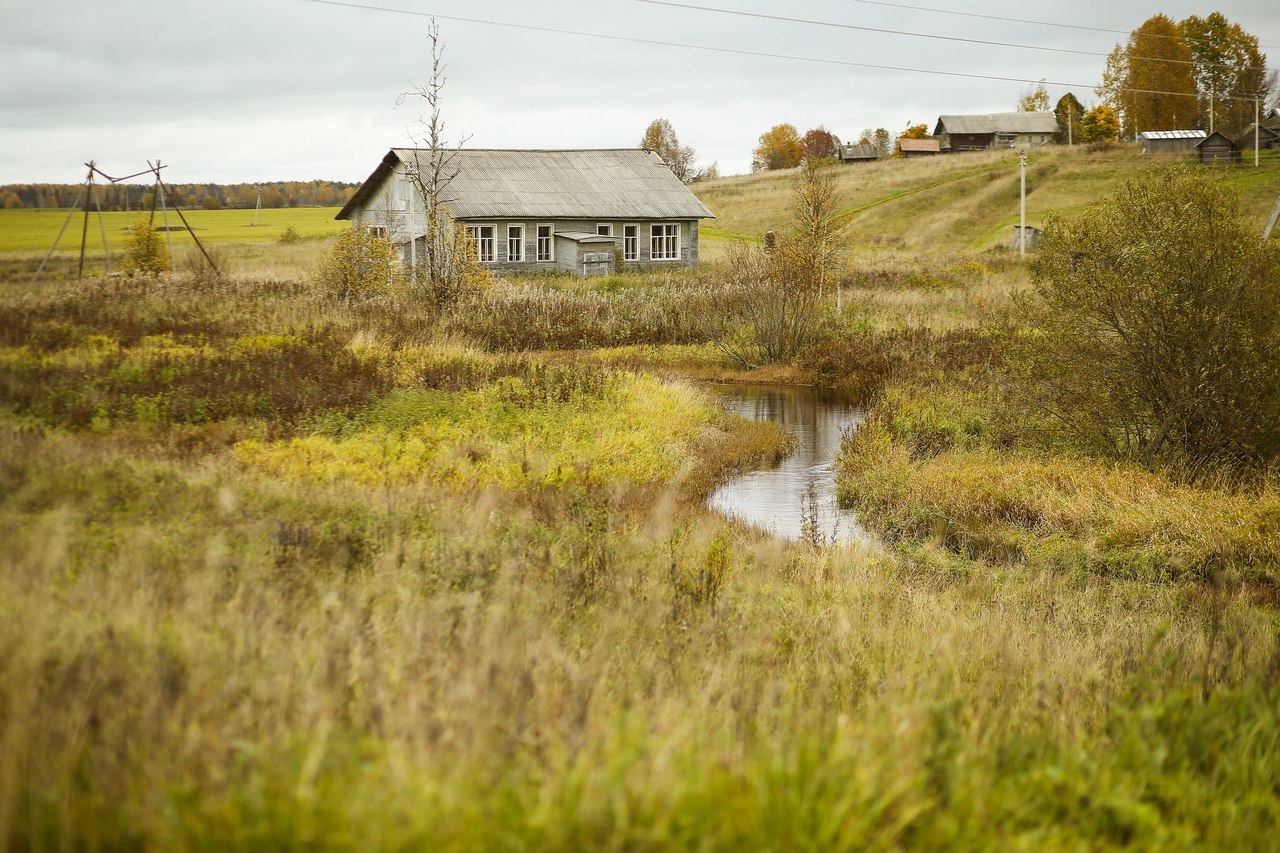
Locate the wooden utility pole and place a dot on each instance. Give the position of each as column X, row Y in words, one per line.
column 84, row 233
column 1022, row 216
column 1271, row 223
column 1256, row 132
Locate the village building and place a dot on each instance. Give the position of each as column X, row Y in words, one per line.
column 1218, row 148
column 1170, row 141
column 1267, row 137
column 579, row 211
column 919, row 147
column 995, row 130
column 859, row 153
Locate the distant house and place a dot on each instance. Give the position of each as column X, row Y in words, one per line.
column 574, row 210
column 1217, row 148
column 1268, row 137
column 918, row 147
column 1170, row 141
column 995, row 130
column 860, row 153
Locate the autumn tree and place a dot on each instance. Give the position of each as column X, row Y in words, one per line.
column 821, row 223
column 1155, row 317
column 1070, row 113
column 660, row 137
column 1149, row 81
column 1229, row 70
column 1034, row 100
column 778, row 148
column 883, row 140
column 915, row 131
column 12, row 201
column 145, row 251
column 1100, row 124
column 820, row 144
column 359, row 265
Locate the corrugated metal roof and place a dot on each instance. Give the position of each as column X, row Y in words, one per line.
column 1172, row 134
column 919, row 145
column 614, row 183
column 1036, row 122
column 859, row 151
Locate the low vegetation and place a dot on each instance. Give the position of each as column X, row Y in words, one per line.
column 284, row 571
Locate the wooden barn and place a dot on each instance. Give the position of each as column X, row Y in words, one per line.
column 1267, row 137
column 919, row 147
column 995, row 130
column 1217, row 148
column 859, row 153
column 572, row 210
column 1170, row 141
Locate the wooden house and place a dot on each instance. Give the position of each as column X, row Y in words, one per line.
column 574, row 210
column 1170, row 141
column 1217, row 148
column 1267, row 137
column 919, row 147
column 995, row 130
column 859, row 153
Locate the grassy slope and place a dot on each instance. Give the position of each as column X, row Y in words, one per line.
column 960, row 202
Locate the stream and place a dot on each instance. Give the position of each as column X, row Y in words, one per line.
column 774, row 499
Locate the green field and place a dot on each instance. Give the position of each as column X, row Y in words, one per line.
column 35, row 230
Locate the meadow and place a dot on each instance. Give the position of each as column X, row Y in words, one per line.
column 284, row 572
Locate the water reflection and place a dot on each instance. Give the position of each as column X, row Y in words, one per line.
column 774, row 499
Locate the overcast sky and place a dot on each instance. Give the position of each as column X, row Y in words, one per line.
column 249, row 90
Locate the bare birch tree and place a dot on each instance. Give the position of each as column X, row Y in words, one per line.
column 448, row 266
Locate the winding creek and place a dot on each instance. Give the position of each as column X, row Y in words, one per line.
column 774, row 498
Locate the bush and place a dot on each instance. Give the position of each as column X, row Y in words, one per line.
column 1155, row 327
column 359, row 265
column 145, row 251
column 290, row 236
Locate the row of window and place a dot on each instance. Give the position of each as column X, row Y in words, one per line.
column 664, row 242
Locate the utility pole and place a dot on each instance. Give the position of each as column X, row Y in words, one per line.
column 412, row 174
column 1256, row 132
column 257, row 210
column 1022, row 217
column 1070, row 120
column 1211, row 112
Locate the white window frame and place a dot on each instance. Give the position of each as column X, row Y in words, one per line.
column 632, row 241
column 519, row 256
column 666, row 241
column 473, row 232
column 550, row 254
column 604, row 229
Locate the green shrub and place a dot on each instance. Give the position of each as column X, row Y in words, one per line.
column 359, row 265
column 145, row 251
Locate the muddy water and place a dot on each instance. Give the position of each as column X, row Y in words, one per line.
column 775, row 499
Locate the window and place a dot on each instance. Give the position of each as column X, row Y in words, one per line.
column 631, row 242
column 604, row 229
column 664, row 242
column 482, row 236
column 515, row 242
column 378, row 231
column 545, row 250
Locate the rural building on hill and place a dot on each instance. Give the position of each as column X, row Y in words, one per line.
column 919, row 147
column 1268, row 137
column 995, row 130
column 1217, row 148
column 578, row 211
column 1170, row 141
column 859, row 153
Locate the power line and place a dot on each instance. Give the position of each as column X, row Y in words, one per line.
column 742, row 52
column 883, row 31
column 1022, row 20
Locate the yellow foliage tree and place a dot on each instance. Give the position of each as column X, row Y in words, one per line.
column 359, row 265
column 144, row 250
column 778, row 148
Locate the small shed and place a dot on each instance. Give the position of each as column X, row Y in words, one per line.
column 1030, row 236
column 919, row 147
column 584, row 253
column 1217, row 148
column 859, row 153
column 1170, row 141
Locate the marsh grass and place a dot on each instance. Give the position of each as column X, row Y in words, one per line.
column 238, row 664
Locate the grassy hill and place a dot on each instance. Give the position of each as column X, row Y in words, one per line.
column 959, row 202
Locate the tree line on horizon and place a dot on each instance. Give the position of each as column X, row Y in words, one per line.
column 209, row 196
